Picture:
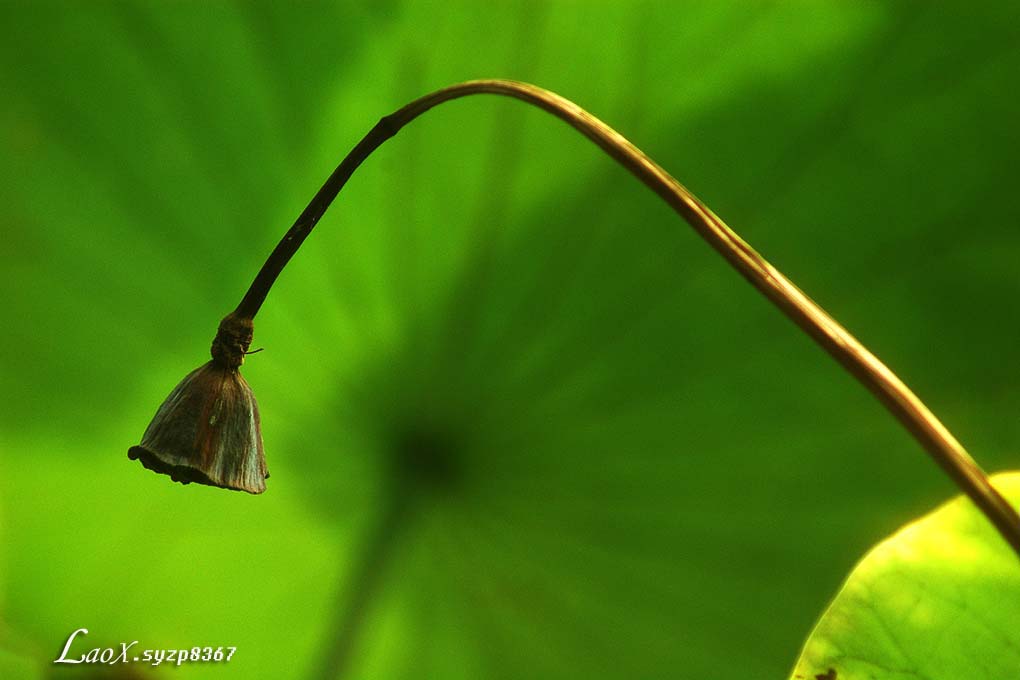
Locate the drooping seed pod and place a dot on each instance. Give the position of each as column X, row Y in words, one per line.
column 814, row 320
column 208, row 429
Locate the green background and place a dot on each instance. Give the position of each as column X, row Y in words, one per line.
column 645, row 470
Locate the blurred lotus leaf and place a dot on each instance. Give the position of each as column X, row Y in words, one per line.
column 617, row 459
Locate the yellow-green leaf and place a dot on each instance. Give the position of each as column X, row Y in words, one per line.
column 939, row 600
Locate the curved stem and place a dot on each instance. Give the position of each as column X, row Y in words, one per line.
column 861, row 363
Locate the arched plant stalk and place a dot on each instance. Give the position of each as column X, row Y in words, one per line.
column 833, row 338
column 234, row 335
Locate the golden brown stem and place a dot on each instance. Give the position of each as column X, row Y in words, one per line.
column 835, row 339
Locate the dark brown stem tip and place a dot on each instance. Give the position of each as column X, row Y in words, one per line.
column 232, row 340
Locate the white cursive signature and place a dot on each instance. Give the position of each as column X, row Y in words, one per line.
column 97, row 655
